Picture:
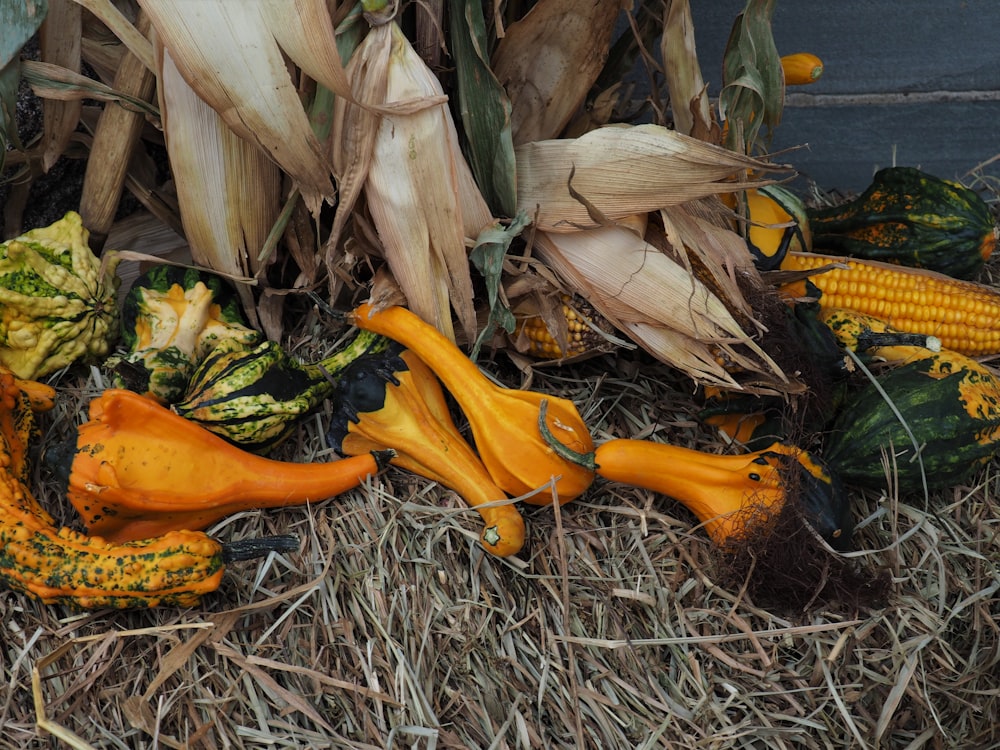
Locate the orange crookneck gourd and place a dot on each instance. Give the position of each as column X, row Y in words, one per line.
column 389, row 398
column 140, row 470
column 733, row 495
column 504, row 422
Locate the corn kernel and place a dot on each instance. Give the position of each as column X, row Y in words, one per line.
column 581, row 337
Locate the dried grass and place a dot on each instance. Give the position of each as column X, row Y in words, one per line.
column 616, row 627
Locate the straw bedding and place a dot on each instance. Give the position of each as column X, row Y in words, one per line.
column 619, row 625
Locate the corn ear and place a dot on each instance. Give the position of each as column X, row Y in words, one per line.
column 612, row 172
column 654, row 300
column 419, row 189
column 548, row 61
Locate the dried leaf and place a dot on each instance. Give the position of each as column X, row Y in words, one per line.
column 753, row 88
column 688, row 92
column 488, row 256
column 484, row 108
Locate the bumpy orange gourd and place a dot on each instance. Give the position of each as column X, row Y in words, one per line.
column 140, row 470
column 504, row 421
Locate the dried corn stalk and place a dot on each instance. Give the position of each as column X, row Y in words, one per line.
column 115, row 138
column 549, row 59
column 418, row 187
column 60, row 45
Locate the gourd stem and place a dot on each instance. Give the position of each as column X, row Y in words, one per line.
column 874, row 339
column 326, row 308
column 249, row 549
column 586, row 460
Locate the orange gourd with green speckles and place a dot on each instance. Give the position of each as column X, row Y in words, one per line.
column 62, row 566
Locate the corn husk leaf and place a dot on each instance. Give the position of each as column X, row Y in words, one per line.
column 753, row 86
column 692, row 229
column 613, row 172
column 488, row 256
column 655, row 300
column 102, row 51
column 353, row 127
column 56, row 82
column 230, row 53
column 549, row 59
column 688, row 93
column 227, row 188
column 136, row 42
column 484, row 108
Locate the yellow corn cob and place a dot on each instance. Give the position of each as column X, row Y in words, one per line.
column 964, row 315
column 581, row 337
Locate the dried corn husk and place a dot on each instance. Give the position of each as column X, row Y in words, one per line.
column 228, row 189
column 230, row 53
column 419, row 189
column 136, row 42
column 549, row 59
column 655, row 300
column 615, row 171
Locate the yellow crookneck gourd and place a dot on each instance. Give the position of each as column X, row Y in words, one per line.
column 504, row 421
column 389, row 398
column 732, row 495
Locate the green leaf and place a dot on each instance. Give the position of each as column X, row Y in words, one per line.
column 484, row 109
column 753, row 90
column 19, row 20
column 487, row 256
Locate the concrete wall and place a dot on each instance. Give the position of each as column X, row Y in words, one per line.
column 910, row 82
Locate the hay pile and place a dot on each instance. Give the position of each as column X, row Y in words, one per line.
column 617, row 626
